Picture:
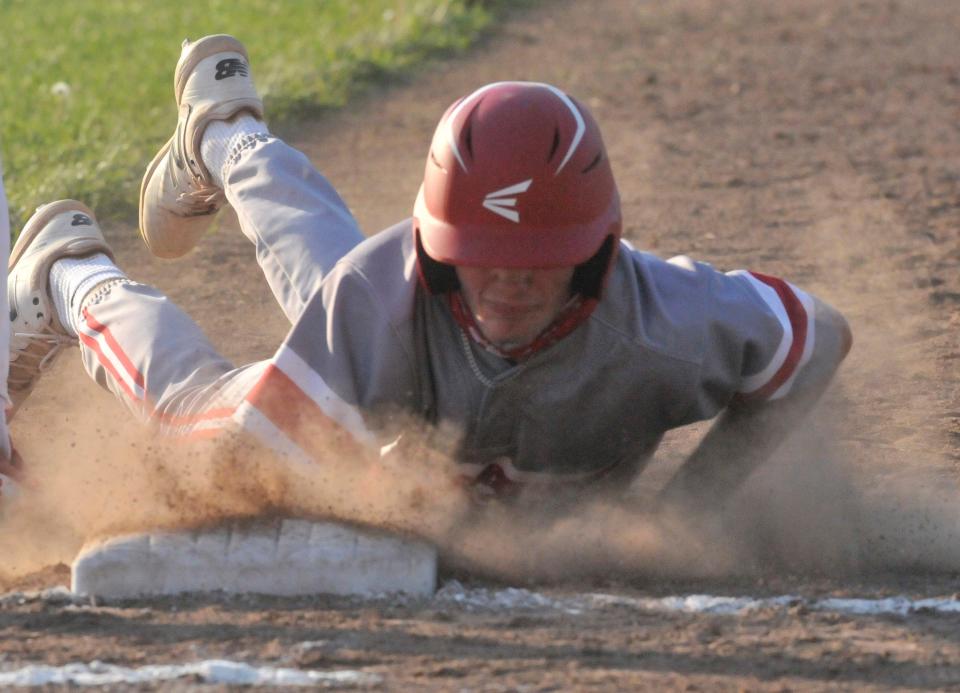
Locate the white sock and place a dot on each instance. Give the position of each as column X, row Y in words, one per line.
column 224, row 140
column 72, row 278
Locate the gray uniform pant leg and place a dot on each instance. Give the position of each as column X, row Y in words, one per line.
column 139, row 345
column 297, row 221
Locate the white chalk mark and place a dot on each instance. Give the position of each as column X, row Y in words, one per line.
column 213, row 671
column 513, row 598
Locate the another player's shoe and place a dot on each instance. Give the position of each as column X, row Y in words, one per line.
column 60, row 229
column 178, row 198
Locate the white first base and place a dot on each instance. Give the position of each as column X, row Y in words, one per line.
column 281, row 557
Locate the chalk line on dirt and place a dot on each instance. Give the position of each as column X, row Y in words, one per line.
column 453, row 593
column 211, row 671
column 515, row 598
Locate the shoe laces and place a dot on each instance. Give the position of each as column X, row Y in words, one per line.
column 41, row 350
column 202, row 200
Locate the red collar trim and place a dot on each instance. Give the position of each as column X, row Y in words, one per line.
column 575, row 312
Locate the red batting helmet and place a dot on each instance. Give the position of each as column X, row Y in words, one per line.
column 517, row 176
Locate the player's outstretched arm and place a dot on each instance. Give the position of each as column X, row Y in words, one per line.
column 747, row 433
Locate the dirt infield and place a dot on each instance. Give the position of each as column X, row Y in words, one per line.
column 812, row 139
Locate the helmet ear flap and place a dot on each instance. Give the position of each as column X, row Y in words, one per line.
column 438, row 277
column 588, row 277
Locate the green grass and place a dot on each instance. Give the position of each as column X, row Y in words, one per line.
column 86, row 86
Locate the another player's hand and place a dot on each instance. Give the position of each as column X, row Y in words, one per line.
column 12, row 467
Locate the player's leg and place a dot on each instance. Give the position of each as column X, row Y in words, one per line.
column 222, row 150
column 65, row 289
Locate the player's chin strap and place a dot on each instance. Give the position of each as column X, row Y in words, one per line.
column 576, row 311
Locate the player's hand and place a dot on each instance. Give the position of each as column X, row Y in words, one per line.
column 12, row 467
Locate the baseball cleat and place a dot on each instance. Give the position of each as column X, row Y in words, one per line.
column 178, row 198
column 60, row 229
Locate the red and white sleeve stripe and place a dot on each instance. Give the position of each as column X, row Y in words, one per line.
column 794, row 309
column 294, row 411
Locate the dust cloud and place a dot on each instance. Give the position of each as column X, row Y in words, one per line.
column 122, row 481
column 92, row 480
column 832, row 502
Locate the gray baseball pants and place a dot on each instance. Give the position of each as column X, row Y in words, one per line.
column 139, row 345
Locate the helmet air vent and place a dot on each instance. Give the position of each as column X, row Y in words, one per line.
column 555, row 145
column 593, row 164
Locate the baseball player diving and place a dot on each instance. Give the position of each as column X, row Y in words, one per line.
column 507, row 310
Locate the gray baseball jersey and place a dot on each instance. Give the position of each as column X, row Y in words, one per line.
column 670, row 343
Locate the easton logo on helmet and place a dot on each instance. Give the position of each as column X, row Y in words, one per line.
column 498, row 201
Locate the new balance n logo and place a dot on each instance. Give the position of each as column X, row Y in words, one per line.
column 231, row 67
column 500, row 202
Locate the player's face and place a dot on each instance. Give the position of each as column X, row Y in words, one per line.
column 513, row 306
